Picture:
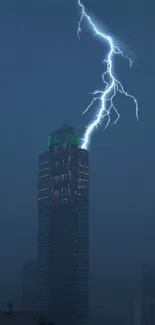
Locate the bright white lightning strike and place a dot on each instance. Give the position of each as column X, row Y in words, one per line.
column 111, row 88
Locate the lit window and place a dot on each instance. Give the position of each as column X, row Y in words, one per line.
column 56, row 194
column 62, row 177
column 57, row 164
column 70, row 175
column 43, row 198
column 66, row 200
column 43, row 189
column 43, row 176
column 44, row 162
column 56, row 178
column 55, row 149
column 64, row 146
column 62, row 191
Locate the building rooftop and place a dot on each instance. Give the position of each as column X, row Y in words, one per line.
column 65, row 128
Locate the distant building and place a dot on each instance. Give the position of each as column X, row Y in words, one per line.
column 63, row 242
column 148, row 284
column 11, row 317
column 30, row 286
column 144, row 309
column 18, row 318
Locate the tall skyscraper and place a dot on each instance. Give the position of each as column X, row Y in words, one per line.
column 63, row 207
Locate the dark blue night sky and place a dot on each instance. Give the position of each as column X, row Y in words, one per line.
column 46, row 76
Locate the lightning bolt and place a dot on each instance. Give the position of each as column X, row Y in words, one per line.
column 111, row 88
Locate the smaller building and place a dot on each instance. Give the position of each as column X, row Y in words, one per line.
column 23, row 318
column 30, row 285
column 144, row 308
column 18, row 318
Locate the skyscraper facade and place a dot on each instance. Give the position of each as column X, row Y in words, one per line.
column 63, row 234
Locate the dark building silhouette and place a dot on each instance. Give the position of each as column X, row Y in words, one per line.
column 11, row 317
column 148, row 284
column 144, row 311
column 148, row 298
column 30, row 285
column 19, row 318
column 63, row 241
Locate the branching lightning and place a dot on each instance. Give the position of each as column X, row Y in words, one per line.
column 112, row 86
